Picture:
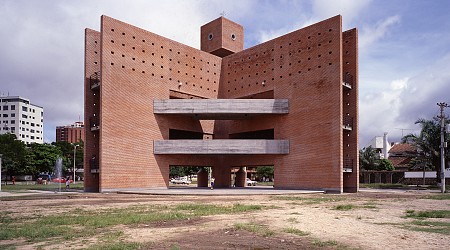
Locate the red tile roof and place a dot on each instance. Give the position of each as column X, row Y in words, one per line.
column 402, row 148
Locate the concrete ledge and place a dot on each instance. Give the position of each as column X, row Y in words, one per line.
column 221, row 108
column 221, row 147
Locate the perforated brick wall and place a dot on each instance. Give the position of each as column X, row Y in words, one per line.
column 306, row 66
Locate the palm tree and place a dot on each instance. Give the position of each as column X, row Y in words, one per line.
column 428, row 143
column 368, row 159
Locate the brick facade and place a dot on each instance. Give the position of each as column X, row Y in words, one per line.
column 307, row 67
column 71, row 133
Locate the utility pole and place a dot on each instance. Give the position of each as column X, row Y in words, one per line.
column 442, row 105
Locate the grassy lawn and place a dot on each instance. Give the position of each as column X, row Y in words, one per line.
column 21, row 187
column 79, row 223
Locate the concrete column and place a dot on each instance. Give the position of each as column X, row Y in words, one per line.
column 241, row 175
column 202, row 178
column 222, row 175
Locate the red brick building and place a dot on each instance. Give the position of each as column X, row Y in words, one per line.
column 152, row 103
column 71, row 133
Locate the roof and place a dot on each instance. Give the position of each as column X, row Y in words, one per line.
column 400, row 161
column 402, row 148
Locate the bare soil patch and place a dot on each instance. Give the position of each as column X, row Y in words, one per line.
column 366, row 220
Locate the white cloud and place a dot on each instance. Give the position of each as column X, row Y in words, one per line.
column 321, row 10
column 371, row 34
column 404, row 101
column 349, row 9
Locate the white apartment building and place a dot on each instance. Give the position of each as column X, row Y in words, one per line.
column 20, row 117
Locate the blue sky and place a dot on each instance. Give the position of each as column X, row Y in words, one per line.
column 404, row 52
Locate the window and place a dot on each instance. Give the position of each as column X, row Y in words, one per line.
column 32, row 124
column 24, row 116
column 13, row 107
column 24, row 109
column 23, row 122
column 5, row 107
column 13, row 115
column 32, row 137
column 5, row 115
column 13, row 129
column 13, row 122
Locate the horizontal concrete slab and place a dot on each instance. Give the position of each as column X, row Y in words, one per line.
column 217, row 109
column 221, row 147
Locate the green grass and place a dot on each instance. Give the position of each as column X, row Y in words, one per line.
column 295, row 231
column 328, row 243
column 255, row 228
column 49, row 187
column 305, row 200
column 438, row 197
column 424, row 225
column 268, row 183
column 70, row 225
column 383, row 185
column 429, row 226
column 345, row 207
column 116, row 246
column 428, row 214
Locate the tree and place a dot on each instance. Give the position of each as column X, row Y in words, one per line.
column 14, row 155
column 179, row 171
column 42, row 157
column 265, row 171
column 368, row 159
column 67, row 150
column 385, row 164
column 428, row 143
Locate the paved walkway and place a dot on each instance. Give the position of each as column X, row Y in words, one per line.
column 261, row 190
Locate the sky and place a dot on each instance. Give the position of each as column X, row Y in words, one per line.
column 404, row 52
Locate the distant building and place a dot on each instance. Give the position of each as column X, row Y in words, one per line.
column 71, row 133
column 18, row 116
column 381, row 146
column 401, row 155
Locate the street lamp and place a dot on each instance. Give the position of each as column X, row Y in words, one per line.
column 74, row 160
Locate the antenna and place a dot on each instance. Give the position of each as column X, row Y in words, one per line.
column 403, row 129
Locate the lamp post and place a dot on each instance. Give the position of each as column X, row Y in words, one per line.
column 74, row 161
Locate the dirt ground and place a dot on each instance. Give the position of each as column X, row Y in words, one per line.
column 375, row 220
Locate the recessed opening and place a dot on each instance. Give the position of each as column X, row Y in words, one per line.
column 210, row 36
column 233, row 37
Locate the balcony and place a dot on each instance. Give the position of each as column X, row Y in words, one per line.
column 94, row 123
column 348, row 123
column 221, row 109
column 348, row 166
column 213, row 147
column 348, row 81
column 94, row 80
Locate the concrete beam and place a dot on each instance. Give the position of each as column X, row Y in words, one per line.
column 217, row 109
column 221, row 147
